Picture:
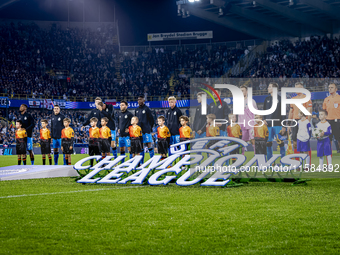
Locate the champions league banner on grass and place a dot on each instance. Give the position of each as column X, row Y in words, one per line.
column 225, row 120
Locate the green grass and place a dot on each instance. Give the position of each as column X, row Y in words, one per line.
column 60, row 216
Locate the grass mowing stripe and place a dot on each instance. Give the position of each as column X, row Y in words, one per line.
column 66, row 192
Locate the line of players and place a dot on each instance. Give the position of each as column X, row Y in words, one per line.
column 102, row 138
column 261, row 136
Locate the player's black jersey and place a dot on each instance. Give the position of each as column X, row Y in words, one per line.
column 276, row 114
column 172, row 120
column 27, row 122
column 95, row 113
column 221, row 112
column 57, row 125
column 199, row 120
column 124, row 121
column 109, row 113
column 145, row 117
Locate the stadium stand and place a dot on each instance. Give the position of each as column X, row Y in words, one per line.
column 70, row 63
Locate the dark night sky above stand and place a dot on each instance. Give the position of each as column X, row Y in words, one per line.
column 136, row 18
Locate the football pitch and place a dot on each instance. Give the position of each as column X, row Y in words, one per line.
column 60, row 216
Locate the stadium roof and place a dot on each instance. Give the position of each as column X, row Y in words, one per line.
column 270, row 19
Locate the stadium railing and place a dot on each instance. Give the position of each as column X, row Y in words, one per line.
column 131, row 98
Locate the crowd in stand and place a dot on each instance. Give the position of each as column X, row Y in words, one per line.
column 31, row 57
column 318, row 57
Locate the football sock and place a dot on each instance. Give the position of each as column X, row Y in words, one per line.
column 44, row 160
column 142, row 154
column 282, row 151
column 296, row 152
column 329, row 160
column 91, row 162
column 19, row 162
column 321, row 162
column 114, row 152
column 122, row 153
column 56, row 157
column 32, row 160
column 24, row 161
column 308, row 160
column 269, row 152
column 50, row 159
column 69, row 161
column 152, row 153
column 65, row 160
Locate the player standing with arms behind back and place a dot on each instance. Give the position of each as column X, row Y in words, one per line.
column 146, row 123
column 220, row 112
column 21, row 142
column 124, row 122
column 57, row 125
column 67, row 140
column 108, row 112
column 199, row 120
column 94, row 136
column 172, row 121
column 324, row 146
column 28, row 125
column 45, row 142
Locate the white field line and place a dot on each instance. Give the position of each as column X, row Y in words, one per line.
column 67, row 192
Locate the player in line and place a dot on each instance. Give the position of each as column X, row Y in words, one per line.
column 21, row 142
column 172, row 121
column 94, row 136
column 274, row 127
column 135, row 132
column 163, row 136
column 124, row 122
column 199, row 119
column 294, row 114
column 220, row 112
column 57, row 125
column 105, row 138
column 45, row 142
column 324, row 146
column 146, row 122
column 247, row 130
column 108, row 112
column 332, row 106
column 234, row 130
column 303, row 136
column 67, row 140
column 28, row 124
column 261, row 135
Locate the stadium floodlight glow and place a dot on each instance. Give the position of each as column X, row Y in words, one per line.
column 191, row 1
column 179, row 10
column 183, row 13
column 220, row 11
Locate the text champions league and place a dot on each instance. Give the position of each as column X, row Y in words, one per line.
column 192, row 165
